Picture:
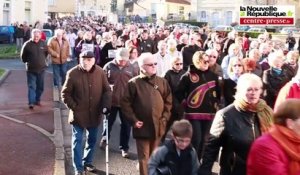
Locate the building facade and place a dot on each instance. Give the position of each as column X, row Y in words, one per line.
column 12, row 11
column 160, row 9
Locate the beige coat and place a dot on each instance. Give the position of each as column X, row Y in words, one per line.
column 59, row 54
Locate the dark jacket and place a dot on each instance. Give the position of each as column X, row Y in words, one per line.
column 229, row 89
column 173, row 79
column 147, row 99
column 19, row 32
column 147, row 46
column 272, row 85
column 234, row 130
column 166, row 155
column 86, row 94
column 104, row 53
column 118, row 78
column 34, row 55
column 201, row 92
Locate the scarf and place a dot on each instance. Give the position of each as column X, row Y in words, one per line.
column 263, row 111
column 290, row 142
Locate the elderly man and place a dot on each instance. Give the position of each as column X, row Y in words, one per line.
column 59, row 50
column 119, row 71
column 33, row 54
column 164, row 60
column 146, row 104
column 85, row 91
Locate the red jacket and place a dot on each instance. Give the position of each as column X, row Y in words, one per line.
column 267, row 157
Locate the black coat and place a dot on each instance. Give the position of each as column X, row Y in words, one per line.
column 234, row 130
column 272, row 85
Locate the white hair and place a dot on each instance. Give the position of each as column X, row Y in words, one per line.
column 143, row 57
column 243, row 83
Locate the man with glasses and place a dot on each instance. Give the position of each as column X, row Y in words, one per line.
column 146, row 103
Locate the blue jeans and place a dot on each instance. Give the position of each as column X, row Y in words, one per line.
column 59, row 73
column 125, row 127
column 35, row 83
column 79, row 157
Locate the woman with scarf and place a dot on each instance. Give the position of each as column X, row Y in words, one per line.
column 236, row 126
column 289, row 90
column 274, row 78
column 278, row 152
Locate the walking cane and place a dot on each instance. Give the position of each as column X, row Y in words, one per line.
column 105, row 126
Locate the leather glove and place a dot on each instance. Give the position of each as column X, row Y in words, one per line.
column 105, row 111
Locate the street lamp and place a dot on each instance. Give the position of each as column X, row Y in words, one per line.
column 102, row 8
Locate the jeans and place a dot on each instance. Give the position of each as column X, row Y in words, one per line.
column 35, row 83
column 59, row 73
column 19, row 42
column 125, row 127
column 79, row 157
column 200, row 135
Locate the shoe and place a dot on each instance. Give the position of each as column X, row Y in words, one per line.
column 31, row 107
column 38, row 103
column 89, row 167
column 102, row 144
column 125, row 154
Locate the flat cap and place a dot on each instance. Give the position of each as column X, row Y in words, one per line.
column 87, row 54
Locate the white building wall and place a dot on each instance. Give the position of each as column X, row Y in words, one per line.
column 38, row 11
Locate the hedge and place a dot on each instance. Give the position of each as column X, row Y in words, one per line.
column 191, row 22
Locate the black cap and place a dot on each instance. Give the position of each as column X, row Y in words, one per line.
column 87, row 54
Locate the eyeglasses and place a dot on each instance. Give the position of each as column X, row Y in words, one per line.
column 212, row 56
column 237, row 65
column 205, row 61
column 151, row 64
column 178, row 64
column 183, row 140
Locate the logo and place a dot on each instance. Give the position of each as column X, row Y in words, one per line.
column 262, row 15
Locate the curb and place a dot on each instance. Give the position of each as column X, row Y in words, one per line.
column 4, row 76
column 59, row 167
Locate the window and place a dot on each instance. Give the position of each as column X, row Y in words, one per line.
column 28, row 11
column 203, row 14
column 51, row 2
column 228, row 17
column 181, row 10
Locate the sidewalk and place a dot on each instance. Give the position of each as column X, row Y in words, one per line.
column 26, row 136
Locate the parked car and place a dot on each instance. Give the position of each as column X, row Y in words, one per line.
column 257, row 29
column 241, row 28
column 194, row 28
column 287, row 30
column 48, row 33
column 223, row 28
column 7, row 34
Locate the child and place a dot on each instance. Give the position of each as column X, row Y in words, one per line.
column 176, row 156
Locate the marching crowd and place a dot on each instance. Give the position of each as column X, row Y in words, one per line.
column 186, row 95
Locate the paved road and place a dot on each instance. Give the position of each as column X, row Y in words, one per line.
column 26, row 148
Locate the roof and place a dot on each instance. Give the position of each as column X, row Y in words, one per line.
column 186, row 2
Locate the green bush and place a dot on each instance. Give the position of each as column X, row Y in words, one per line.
column 191, row 22
column 1, row 72
column 8, row 51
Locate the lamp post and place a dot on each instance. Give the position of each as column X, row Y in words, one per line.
column 102, row 8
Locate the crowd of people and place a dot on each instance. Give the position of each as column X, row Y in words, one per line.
column 185, row 94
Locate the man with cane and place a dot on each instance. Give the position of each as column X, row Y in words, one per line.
column 87, row 94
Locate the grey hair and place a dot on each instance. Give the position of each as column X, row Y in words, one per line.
column 35, row 31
